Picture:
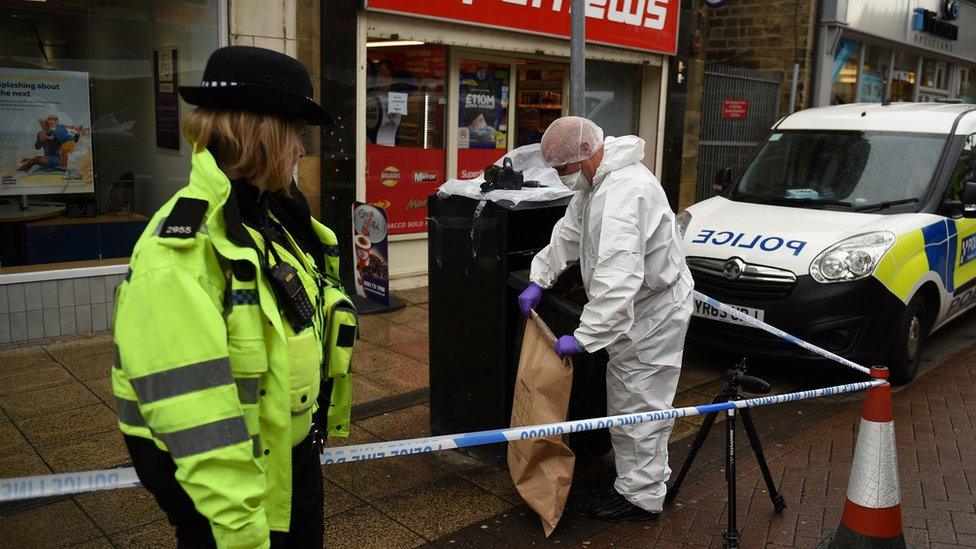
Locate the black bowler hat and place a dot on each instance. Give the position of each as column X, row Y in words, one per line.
column 259, row 80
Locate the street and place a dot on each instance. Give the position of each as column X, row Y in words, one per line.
column 446, row 498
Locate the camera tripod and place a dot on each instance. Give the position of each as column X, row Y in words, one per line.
column 738, row 380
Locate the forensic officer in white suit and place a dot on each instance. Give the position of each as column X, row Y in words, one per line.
column 622, row 231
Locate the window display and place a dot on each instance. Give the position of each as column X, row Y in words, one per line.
column 89, row 122
column 903, row 76
column 844, row 76
column 874, row 76
column 405, row 118
column 482, row 133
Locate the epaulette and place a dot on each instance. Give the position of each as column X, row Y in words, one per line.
column 179, row 228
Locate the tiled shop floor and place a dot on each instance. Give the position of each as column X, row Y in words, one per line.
column 58, row 416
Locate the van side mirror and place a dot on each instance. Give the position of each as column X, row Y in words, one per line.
column 965, row 207
column 969, row 193
column 723, row 180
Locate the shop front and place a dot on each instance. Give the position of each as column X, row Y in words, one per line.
column 908, row 50
column 448, row 88
column 90, row 147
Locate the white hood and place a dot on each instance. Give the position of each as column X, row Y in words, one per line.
column 617, row 153
column 776, row 236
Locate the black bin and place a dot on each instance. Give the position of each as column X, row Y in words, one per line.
column 475, row 325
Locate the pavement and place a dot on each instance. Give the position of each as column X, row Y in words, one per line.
column 56, row 415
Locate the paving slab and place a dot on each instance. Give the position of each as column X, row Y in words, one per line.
column 97, row 543
column 24, row 462
column 338, row 500
column 98, row 451
column 441, row 507
column 48, row 400
column 419, row 350
column 69, row 425
column 367, row 527
column 115, row 511
column 39, row 376
column 385, row 333
column 409, row 375
column 376, row 480
column 414, row 296
column 148, row 536
column 414, row 317
column 411, row 422
column 368, row 389
column 13, row 358
column 377, row 359
column 58, row 524
column 13, row 440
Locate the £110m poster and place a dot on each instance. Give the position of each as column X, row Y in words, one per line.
column 45, row 132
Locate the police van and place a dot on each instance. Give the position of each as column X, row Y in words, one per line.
column 852, row 228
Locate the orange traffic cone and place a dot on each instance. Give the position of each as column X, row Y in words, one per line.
column 872, row 514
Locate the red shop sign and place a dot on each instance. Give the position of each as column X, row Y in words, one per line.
column 399, row 179
column 648, row 25
column 735, row 109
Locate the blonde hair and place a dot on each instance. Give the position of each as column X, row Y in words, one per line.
column 260, row 146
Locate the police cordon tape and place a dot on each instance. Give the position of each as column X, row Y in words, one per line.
column 19, row 488
column 756, row 323
column 75, row 483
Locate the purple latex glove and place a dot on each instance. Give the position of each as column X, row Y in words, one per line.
column 529, row 299
column 567, row 345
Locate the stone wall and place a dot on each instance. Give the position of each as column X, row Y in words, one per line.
column 291, row 27
column 768, row 35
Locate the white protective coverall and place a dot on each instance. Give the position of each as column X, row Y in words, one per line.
column 623, row 233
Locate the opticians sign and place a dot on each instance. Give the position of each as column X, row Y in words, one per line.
column 649, row 25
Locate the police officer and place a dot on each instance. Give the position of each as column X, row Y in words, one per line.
column 220, row 322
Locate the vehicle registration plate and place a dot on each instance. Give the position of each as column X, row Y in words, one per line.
column 705, row 310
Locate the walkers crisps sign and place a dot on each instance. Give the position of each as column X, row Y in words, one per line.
column 648, row 25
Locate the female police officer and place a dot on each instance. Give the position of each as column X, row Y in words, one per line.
column 221, row 321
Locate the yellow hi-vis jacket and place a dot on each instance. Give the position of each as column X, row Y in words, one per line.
column 211, row 371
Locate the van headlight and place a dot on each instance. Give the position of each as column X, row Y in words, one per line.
column 851, row 259
column 683, row 219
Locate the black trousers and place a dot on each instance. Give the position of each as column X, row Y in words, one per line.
column 156, row 472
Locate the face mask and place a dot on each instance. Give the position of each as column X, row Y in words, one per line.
column 575, row 181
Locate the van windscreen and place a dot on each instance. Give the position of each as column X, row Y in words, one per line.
column 847, row 170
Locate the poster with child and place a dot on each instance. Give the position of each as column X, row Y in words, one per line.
column 45, row 132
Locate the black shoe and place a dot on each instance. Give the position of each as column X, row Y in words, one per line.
column 618, row 509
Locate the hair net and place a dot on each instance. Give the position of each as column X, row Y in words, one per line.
column 570, row 139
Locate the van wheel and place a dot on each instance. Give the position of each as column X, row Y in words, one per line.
column 906, row 348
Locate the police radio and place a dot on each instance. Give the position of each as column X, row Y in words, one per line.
column 291, row 296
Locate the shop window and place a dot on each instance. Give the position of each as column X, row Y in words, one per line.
column 613, row 96
column 91, row 145
column 935, row 74
column 405, row 120
column 844, row 79
column 967, row 85
column 540, row 98
column 874, row 76
column 903, row 76
column 483, row 102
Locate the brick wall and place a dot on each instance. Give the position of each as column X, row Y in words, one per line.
column 768, row 35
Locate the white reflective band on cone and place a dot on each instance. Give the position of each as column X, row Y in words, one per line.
column 874, row 473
